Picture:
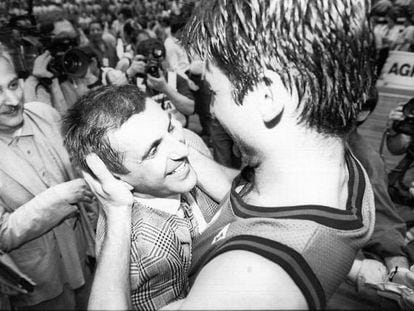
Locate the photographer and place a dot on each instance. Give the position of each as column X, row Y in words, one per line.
column 58, row 90
column 168, row 88
column 51, row 93
column 387, row 244
column 64, row 64
column 400, row 142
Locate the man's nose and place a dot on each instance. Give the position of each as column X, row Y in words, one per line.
column 9, row 98
column 178, row 149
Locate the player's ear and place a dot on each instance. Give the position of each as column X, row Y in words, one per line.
column 272, row 104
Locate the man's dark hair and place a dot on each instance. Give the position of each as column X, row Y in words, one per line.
column 126, row 11
column 146, row 47
column 322, row 49
column 96, row 21
column 86, row 124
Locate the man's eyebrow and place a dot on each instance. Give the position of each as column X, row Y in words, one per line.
column 154, row 144
column 157, row 141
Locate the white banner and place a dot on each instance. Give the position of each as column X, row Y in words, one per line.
column 398, row 71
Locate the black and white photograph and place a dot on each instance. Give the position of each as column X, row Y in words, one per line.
column 206, row 155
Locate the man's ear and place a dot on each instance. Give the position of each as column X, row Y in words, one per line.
column 272, row 103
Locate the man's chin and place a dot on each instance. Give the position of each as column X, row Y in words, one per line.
column 11, row 128
column 189, row 183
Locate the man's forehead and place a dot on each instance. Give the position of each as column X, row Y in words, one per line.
column 63, row 26
column 142, row 127
column 7, row 67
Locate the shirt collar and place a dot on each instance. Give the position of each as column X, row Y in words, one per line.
column 168, row 205
column 25, row 130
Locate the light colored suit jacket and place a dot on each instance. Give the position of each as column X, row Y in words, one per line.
column 37, row 227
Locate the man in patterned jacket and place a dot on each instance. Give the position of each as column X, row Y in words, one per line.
column 289, row 78
column 145, row 147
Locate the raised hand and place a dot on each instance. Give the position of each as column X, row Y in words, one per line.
column 396, row 114
column 40, row 66
column 112, row 193
column 75, row 191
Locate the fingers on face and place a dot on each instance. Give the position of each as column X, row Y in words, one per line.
column 98, row 168
column 91, row 182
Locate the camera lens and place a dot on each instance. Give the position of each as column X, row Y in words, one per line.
column 75, row 63
column 408, row 109
column 153, row 71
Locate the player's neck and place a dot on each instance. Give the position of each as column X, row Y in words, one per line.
column 304, row 173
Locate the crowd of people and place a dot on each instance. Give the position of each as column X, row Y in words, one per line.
column 201, row 155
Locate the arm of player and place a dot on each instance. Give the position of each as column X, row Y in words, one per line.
column 242, row 280
column 111, row 287
column 212, row 177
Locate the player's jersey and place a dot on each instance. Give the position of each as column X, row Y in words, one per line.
column 314, row 244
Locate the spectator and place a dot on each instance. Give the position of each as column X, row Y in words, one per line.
column 41, row 227
column 405, row 41
column 176, row 57
column 141, row 35
column 124, row 15
column 105, row 52
column 72, row 85
column 170, row 89
column 387, row 243
column 400, row 142
column 385, row 38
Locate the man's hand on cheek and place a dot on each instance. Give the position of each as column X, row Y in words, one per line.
column 112, row 193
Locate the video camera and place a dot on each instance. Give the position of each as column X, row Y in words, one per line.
column 406, row 126
column 67, row 59
column 25, row 42
column 154, row 52
column 153, row 63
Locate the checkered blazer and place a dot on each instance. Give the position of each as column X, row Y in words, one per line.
column 161, row 245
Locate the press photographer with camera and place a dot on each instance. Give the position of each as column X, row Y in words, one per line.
column 400, row 141
column 49, row 93
column 170, row 89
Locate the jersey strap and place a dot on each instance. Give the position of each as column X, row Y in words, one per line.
column 287, row 258
column 347, row 219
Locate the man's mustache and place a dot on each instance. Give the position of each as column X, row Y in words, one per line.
column 10, row 109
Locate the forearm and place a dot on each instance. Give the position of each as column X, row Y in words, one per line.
column 211, row 177
column 58, row 99
column 183, row 104
column 353, row 273
column 32, row 219
column 33, row 92
column 111, row 285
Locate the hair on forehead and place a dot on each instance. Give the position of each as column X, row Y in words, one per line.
column 87, row 123
column 321, row 49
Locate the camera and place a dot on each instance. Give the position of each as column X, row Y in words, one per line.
column 406, row 126
column 67, row 59
column 25, row 42
column 153, row 63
